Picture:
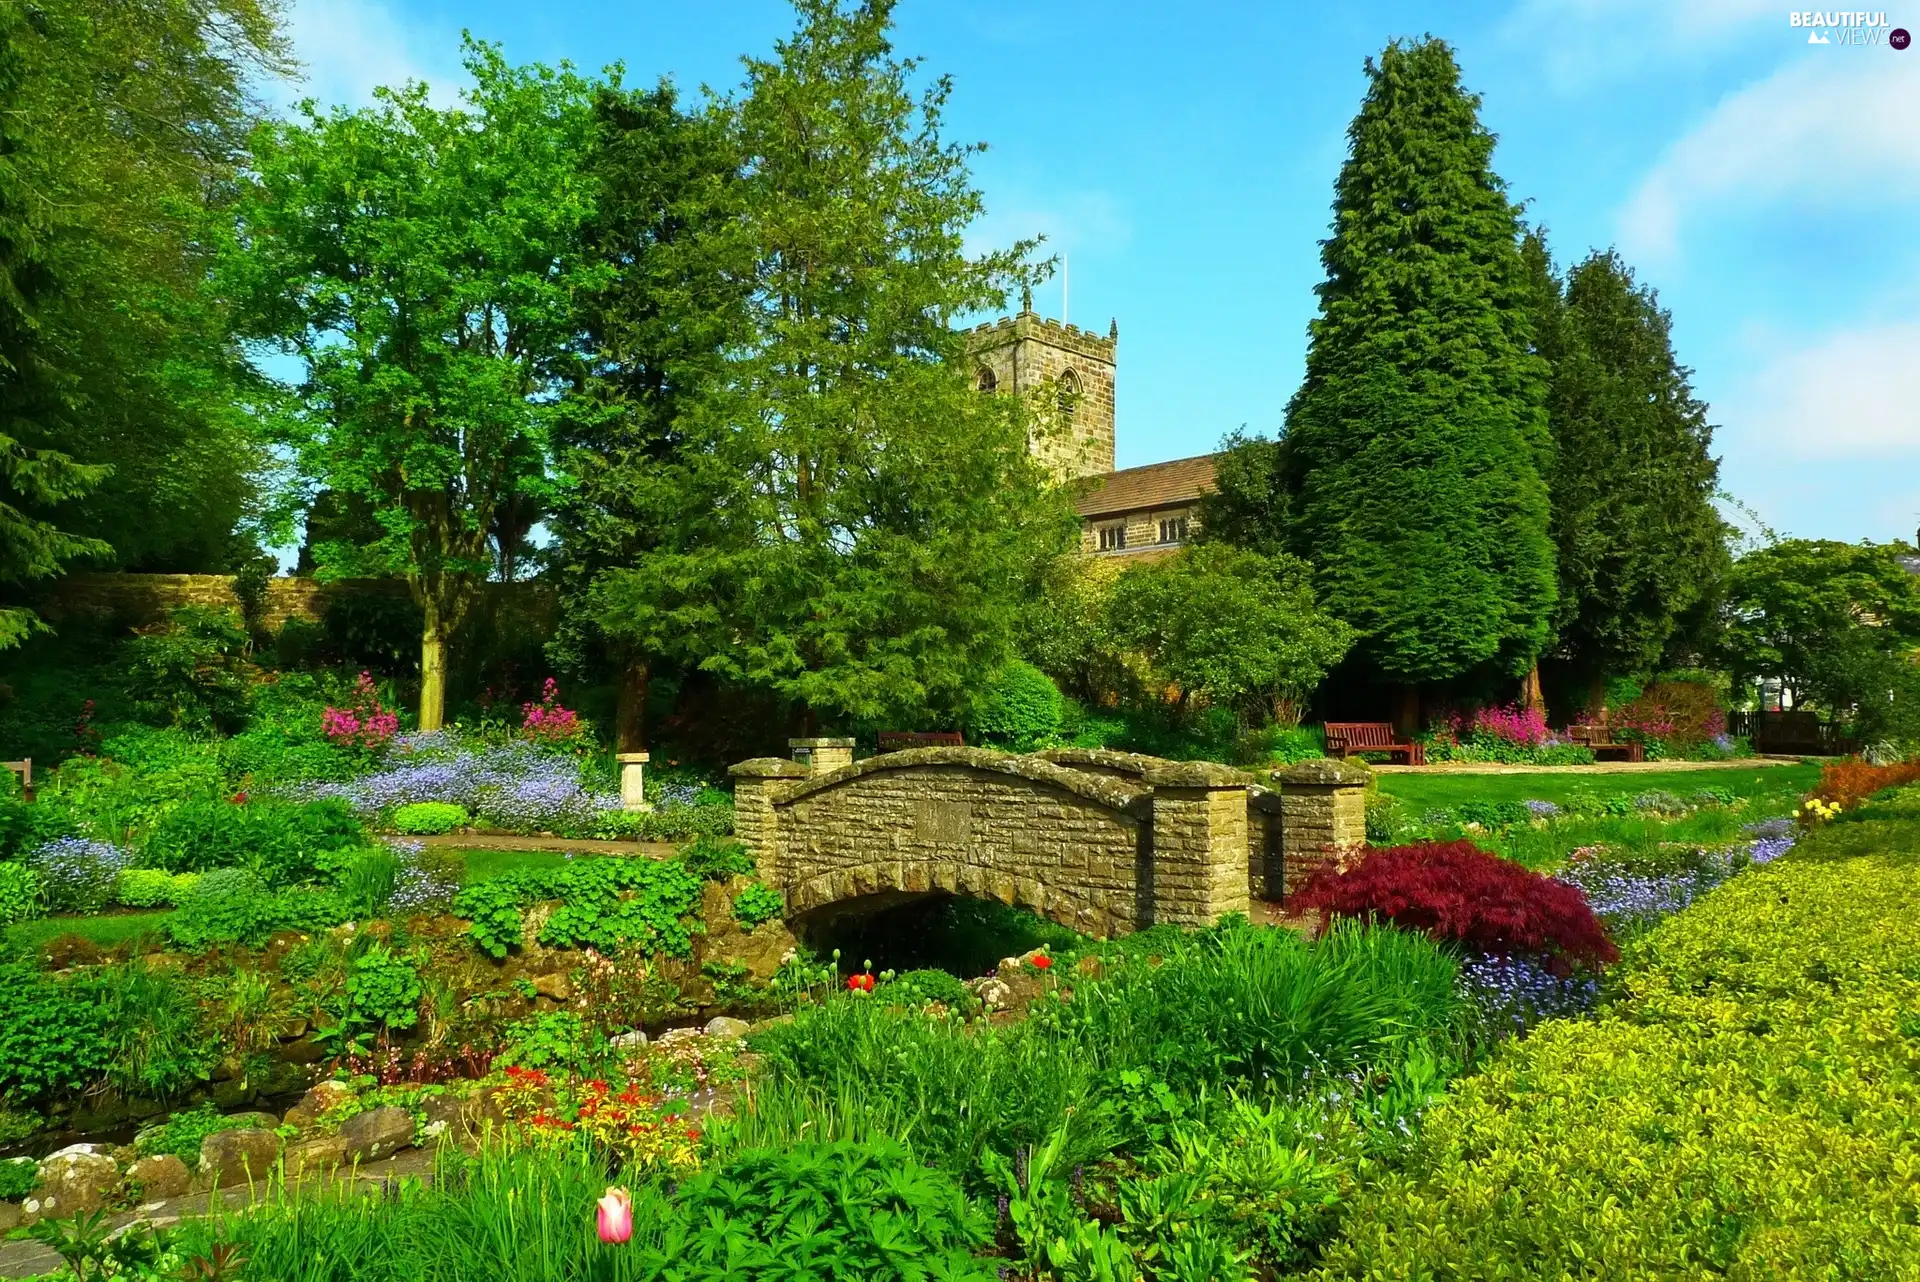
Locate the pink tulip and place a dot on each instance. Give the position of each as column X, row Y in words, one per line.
column 616, row 1216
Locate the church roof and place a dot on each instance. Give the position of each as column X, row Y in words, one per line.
column 1171, row 484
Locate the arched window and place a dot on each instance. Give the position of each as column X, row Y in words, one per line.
column 984, row 380
column 1069, row 391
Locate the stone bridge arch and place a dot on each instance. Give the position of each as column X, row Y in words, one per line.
column 1104, row 852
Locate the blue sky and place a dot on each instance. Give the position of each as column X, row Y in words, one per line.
column 1182, row 159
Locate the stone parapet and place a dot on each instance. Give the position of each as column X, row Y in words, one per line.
column 1322, row 815
column 1199, row 843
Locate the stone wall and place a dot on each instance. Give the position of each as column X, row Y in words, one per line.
column 1322, row 813
column 138, row 599
column 1031, row 354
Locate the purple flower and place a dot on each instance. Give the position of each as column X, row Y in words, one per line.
column 1542, row 809
column 1513, row 994
column 78, row 875
column 519, row 786
column 1771, row 828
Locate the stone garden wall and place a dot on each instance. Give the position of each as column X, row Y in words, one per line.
column 137, row 599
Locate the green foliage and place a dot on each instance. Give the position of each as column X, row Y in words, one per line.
column 421, row 261
column 182, row 1134
column 19, row 893
column 383, row 990
column 1238, row 628
column 282, row 842
column 153, row 887
column 1642, row 551
column 843, row 521
column 558, row 1041
column 225, row 906
column 1688, row 1126
column 366, row 884
column 429, row 818
column 712, row 859
column 606, row 904
column 17, row 1177
column 160, row 1043
column 708, row 818
column 1020, row 709
column 1413, row 481
column 191, row 673
column 925, row 987
column 757, row 902
column 50, row 1044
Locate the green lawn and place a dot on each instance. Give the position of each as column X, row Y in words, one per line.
column 107, row 930
column 481, row 864
column 1424, row 791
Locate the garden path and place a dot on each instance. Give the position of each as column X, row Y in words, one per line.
column 27, row 1259
column 1597, row 768
column 565, row 845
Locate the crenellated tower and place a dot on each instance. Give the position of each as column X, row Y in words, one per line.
column 1071, row 370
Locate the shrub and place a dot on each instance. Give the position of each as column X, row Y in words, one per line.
column 1852, row 781
column 716, row 859
column 77, row 875
column 558, row 1041
column 429, row 818
column 1745, row 1110
column 756, row 903
column 182, row 1134
column 363, row 726
column 1524, row 727
column 1020, row 709
column 153, row 887
column 283, row 842
column 50, row 1044
column 924, row 987
column 225, row 906
column 1493, row 814
column 191, row 672
column 1456, row 891
column 18, row 1175
column 19, row 893
column 160, row 1045
column 383, row 990
column 706, row 818
column 606, row 904
column 1686, row 714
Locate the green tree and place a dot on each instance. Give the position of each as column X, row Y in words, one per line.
column 659, row 325
column 1641, row 548
column 1239, row 628
column 1247, row 506
column 1415, row 445
column 421, row 262
column 845, row 521
column 1839, row 623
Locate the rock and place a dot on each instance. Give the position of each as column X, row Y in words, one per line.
column 377, row 1133
column 293, row 1028
column 230, row 1158
column 728, row 1027
column 674, row 1036
column 315, row 1156
column 254, row 1120
column 160, row 1177
column 303, row 1050
column 11, row 1213
column 556, row 986
column 80, row 1177
column 318, row 1100
column 446, row 1117
column 627, row 1041
column 994, row 993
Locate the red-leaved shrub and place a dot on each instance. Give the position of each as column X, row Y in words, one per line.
column 1456, row 891
column 1852, row 781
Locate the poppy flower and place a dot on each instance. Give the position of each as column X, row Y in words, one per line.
column 615, row 1216
column 1041, row 962
column 860, row 983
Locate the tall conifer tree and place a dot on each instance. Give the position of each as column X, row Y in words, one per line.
column 1416, row 443
column 1642, row 551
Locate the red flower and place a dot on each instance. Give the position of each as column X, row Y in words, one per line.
column 1041, row 962
column 860, row 983
column 238, row 798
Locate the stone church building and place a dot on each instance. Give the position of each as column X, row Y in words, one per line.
column 1141, row 511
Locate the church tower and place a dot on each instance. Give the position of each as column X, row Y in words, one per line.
column 1071, row 371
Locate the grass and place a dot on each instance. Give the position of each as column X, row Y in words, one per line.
column 481, row 864
column 106, row 930
column 1425, row 791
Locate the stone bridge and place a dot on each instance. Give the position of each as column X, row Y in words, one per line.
column 1103, row 842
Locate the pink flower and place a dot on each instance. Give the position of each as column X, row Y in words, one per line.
column 615, row 1216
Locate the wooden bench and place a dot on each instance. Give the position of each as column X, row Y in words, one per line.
column 1598, row 739
column 23, row 770
column 1345, row 737
column 896, row 740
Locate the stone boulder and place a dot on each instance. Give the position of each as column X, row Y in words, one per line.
column 253, row 1120
column 79, row 1178
column 318, row 1100
column 627, row 1041
column 307, row 1158
column 160, row 1177
column 377, row 1133
column 726, row 1026
column 232, row 1158
column 674, row 1036
column 11, row 1214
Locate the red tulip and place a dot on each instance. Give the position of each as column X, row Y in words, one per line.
column 615, row 1216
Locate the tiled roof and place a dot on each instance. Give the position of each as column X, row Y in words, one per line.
column 1136, row 489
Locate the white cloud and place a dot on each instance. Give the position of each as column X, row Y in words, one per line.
column 1073, row 222
column 347, row 48
column 1833, row 127
column 1578, row 43
column 1847, row 394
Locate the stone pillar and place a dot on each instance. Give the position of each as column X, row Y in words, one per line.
column 757, row 784
column 822, row 755
column 1199, row 865
column 633, row 784
column 1323, row 816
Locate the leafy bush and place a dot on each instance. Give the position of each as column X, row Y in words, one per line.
column 1493, row 814
column 1456, row 891
column 557, row 1041
column 25, row 825
column 1745, row 1110
column 50, row 1044
column 716, row 859
column 429, row 818
column 757, row 902
column 182, row 1134
column 283, row 842
column 225, row 906
column 1020, row 709
column 606, row 904
column 191, row 672
column 153, row 887
column 19, row 893
column 383, row 990
column 711, row 817
column 925, row 987
column 77, row 875
column 18, row 1175
column 160, row 1044
column 1387, row 818
column 1852, row 781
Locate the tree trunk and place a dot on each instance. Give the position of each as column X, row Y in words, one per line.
column 433, row 674
column 630, row 717
column 1406, row 716
column 1531, row 696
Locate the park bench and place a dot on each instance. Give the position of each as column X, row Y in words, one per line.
column 895, row 740
column 1598, row 739
column 1344, row 737
column 23, row 770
